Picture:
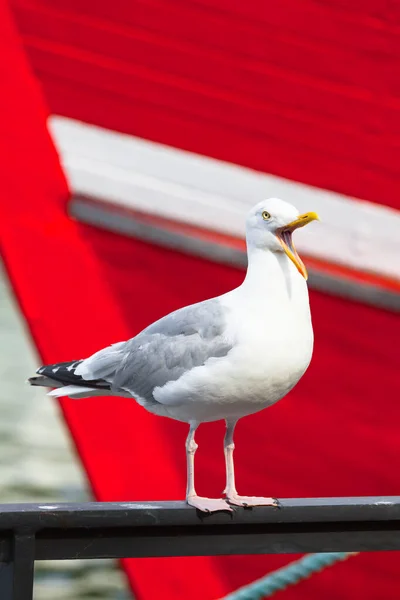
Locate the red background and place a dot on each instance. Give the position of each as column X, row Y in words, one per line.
column 336, row 434
column 306, row 89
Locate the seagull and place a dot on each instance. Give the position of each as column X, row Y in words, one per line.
column 221, row 359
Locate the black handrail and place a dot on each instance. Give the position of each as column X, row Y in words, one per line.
column 30, row 532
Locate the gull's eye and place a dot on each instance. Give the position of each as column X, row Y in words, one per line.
column 265, row 215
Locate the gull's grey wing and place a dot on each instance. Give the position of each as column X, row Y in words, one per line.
column 162, row 352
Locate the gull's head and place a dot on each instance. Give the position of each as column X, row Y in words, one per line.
column 270, row 225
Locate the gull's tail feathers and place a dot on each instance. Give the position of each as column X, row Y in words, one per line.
column 76, row 392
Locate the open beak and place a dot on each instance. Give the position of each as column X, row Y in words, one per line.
column 284, row 235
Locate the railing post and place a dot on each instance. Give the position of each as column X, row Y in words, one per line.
column 6, row 581
column 23, row 566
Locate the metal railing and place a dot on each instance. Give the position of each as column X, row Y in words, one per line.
column 30, row 532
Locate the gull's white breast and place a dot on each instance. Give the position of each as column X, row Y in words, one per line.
column 272, row 346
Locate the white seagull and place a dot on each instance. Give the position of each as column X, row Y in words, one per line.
column 223, row 358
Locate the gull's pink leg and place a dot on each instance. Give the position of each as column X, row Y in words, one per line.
column 230, row 491
column 204, row 504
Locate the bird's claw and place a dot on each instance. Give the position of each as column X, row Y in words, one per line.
column 208, row 505
column 250, row 501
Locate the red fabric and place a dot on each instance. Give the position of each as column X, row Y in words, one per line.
column 80, row 289
column 303, row 89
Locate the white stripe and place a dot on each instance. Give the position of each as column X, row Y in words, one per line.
column 187, row 187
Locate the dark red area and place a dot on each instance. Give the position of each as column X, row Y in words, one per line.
column 303, row 89
column 80, row 289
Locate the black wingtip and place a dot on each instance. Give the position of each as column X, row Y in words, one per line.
column 60, row 374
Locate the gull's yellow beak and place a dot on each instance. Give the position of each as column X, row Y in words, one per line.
column 284, row 235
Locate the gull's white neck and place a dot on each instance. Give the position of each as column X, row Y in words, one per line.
column 273, row 280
